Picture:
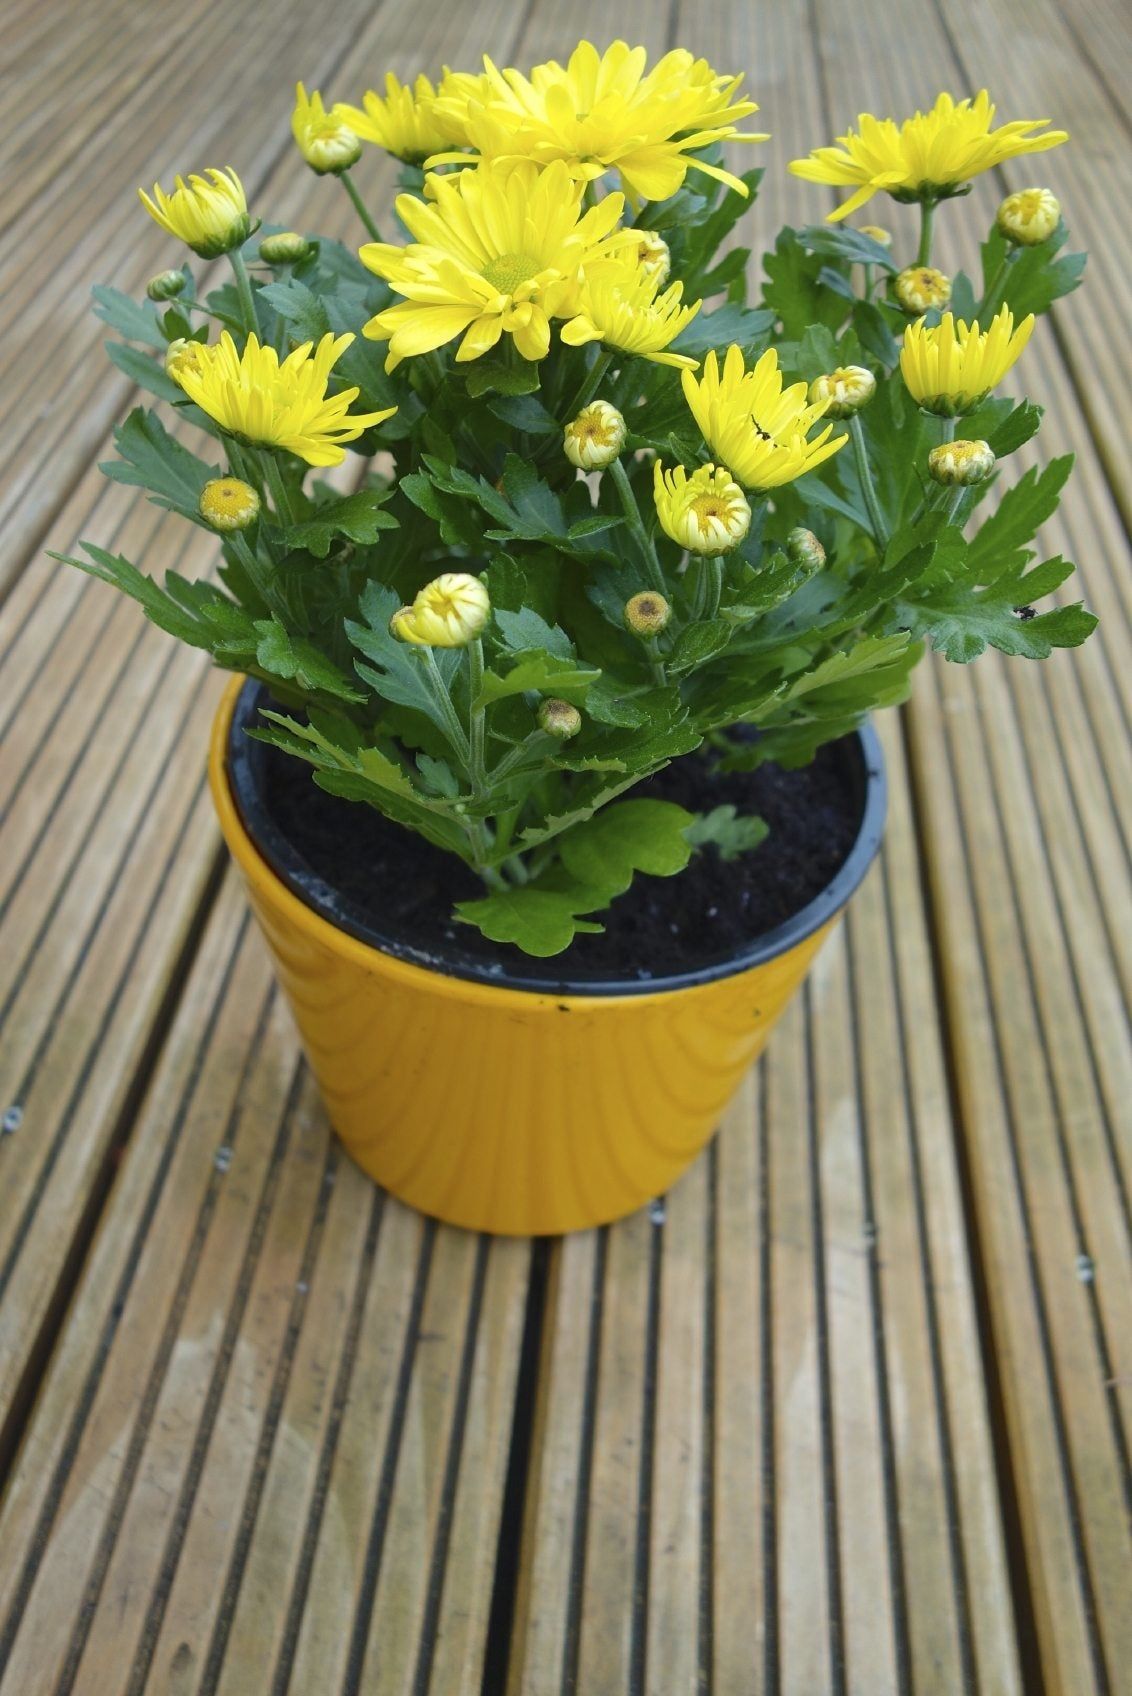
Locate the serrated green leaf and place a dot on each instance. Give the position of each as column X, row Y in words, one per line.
column 136, row 320
column 1020, row 513
column 359, row 517
column 282, row 653
column 608, row 850
column 542, row 922
column 544, row 673
column 732, row 833
column 152, row 459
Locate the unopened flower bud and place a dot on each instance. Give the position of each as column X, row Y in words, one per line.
column 167, row 285
column 706, row 513
column 646, row 614
column 449, row 612
column 1028, row 217
column 958, row 464
column 559, row 718
column 921, row 288
column 653, row 256
column 227, row 503
column 594, row 438
column 803, row 547
column 180, row 356
column 875, row 232
column 844, row 391
column 286, row 248
column 324, row 139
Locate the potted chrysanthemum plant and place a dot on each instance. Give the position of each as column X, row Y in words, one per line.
column 547, row 761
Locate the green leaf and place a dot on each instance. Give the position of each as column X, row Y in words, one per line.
column 358, row 517
column 148, row 372
column 698, row 643
column 839, row 241
column 731, row 832
column 748, row 326
column 545, row 673
column 794, row 291
column 152, row 459
column 160, row 608
column 293, row 658
column 299, row 307
column 632, row 836
column 137, row 321
column 541, row 922
column 496, row 376
column 1035, row 277
column 1020, row 513
column 526, row 629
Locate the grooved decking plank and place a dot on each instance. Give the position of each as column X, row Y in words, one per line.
column 763, row 1455
column 1022, row 777
column 107, row 845
column 272, row 1374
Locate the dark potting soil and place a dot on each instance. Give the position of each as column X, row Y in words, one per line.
column 403, row 889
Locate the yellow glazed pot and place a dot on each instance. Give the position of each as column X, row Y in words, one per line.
column 511, row 1109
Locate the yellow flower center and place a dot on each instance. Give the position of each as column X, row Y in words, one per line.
column 506, row 272
column 1029, row 202
column 708, row 509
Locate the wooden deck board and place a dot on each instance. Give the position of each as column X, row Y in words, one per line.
column 273, row 1410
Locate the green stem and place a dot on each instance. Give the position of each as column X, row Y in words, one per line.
column 865, row 478
column 244, row 290
column 590, row 384
column 656, row 664
column 947, row 429
column 261, row 581
column 456, row 733
column 284, row 511
column 715, row 584
column 989, row 304
column 477, row 719
column 927, row 213
column 868, row 282
column 360, row 208
column 637, row 525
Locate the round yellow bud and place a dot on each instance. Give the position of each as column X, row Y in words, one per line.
column 594, row 438
column 182, row 356
column 227, row 503
column 449, row 612
column 844, row 391
column 921, row 288
column 646, row 614
column 875, row 232
column 1028, row 217
column 167, row 285
column 286, row 248
column 803, row 547
column 653, row 256
column 707, row 513
column 558, row 718
column 958, row 464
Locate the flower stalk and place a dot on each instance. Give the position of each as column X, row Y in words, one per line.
column 868, row 487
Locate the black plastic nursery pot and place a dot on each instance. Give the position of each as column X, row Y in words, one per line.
column 520, row 1101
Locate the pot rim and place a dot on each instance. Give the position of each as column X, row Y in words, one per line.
column 266, row 862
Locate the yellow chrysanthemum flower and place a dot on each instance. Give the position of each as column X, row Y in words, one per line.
column 927, row 157
column 950, row 368
column 844, row 391
column 653, row 255
column 449, row 612
column 604, row 111
column 183, row 355
column 253, row 396
column 1029, row 217
column 921, row 288
column 707, row 513
column 325, row 139
column 621, row 306
column 757, row 427
column 497, row 249
column 209, row 213
column 959, row 464
column 594, row 439
column 404, row 121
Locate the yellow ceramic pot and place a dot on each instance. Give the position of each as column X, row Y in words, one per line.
column 518, row 1110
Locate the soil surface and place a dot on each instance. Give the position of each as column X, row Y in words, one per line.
column 374, row 876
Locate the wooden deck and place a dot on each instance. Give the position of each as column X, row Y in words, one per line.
column 846, row 1412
